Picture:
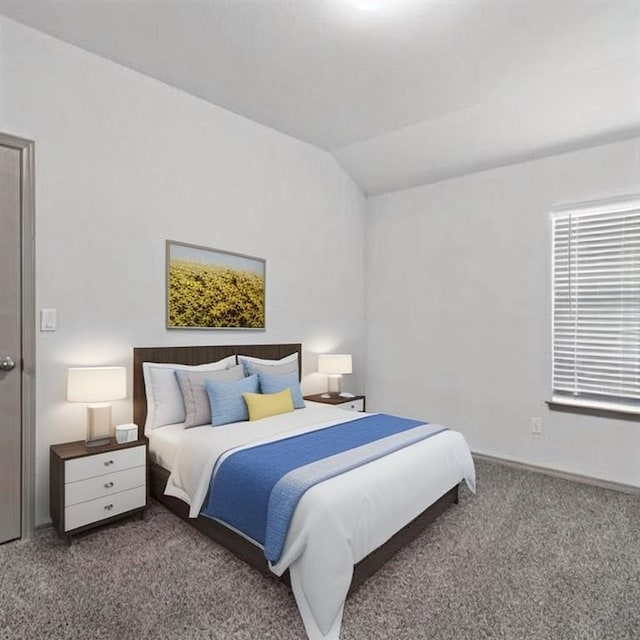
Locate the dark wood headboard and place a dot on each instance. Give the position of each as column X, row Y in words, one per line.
column 197, row 355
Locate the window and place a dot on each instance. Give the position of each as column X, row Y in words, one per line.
column 596, row 305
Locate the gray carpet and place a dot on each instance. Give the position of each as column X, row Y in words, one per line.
column 530, row 557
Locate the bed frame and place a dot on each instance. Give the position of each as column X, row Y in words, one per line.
column 246, row 551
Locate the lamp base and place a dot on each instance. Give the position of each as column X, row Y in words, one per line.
column 98, row 424
column 98, row 442
column 334, row 385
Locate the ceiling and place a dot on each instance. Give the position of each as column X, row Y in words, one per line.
column 407, row 93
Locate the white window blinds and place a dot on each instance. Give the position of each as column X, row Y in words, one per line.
column 596, row 305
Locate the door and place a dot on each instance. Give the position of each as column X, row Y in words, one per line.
column 10, row 344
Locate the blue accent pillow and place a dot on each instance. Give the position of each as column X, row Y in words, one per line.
column 225, row 398
column 274, row 383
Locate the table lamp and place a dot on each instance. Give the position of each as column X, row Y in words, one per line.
column 334, row 365
column 97, row 386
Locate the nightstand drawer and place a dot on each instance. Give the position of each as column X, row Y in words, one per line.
column 355, row 405
column 101, row 486
column 78, row 515
column 102, row 463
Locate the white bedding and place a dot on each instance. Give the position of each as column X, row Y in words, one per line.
column 164, row 443
column 337, row 522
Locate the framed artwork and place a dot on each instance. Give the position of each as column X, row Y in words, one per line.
column 212, row 289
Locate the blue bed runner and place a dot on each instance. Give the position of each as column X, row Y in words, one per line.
column 256, row 490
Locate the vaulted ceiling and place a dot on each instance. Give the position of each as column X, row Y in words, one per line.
column 402, row 92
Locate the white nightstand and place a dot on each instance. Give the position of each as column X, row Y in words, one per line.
column 90, row 487
column 357, row 403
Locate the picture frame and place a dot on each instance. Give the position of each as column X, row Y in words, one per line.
column 210, row 288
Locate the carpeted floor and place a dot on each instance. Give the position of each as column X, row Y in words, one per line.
column 529, row 558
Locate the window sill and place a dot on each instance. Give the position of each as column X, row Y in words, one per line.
column 620, row 412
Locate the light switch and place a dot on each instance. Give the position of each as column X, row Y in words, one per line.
column 48, row 319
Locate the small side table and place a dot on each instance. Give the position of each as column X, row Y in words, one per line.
column 93, row 486
column 357, row 403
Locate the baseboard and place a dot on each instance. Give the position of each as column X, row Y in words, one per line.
column 41, row 529
column 565, row 475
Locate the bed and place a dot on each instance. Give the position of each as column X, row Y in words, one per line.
column 324, row 512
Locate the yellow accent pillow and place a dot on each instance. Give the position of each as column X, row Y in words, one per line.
column 263, row 405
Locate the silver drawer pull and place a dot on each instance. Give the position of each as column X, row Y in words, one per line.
column 108, row 485
column 108, row 507
column 108, row 462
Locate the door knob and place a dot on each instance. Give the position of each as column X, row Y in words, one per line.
column 6, row 363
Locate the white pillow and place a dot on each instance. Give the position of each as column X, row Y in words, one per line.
column 165, row 404
column 290, row 358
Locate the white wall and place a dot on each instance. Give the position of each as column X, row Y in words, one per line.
column 458, row 309
column 123, row 163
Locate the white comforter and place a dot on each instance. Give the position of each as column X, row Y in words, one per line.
column 339, row 521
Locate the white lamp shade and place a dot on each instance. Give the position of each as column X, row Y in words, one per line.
column 96, row 384
column 334, row 363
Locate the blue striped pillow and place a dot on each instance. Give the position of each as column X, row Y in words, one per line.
column 273, row 383
column 225, row 398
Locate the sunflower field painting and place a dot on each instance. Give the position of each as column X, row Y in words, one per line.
column 212, row 289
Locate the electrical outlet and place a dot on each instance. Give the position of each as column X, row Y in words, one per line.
column 536, row 426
